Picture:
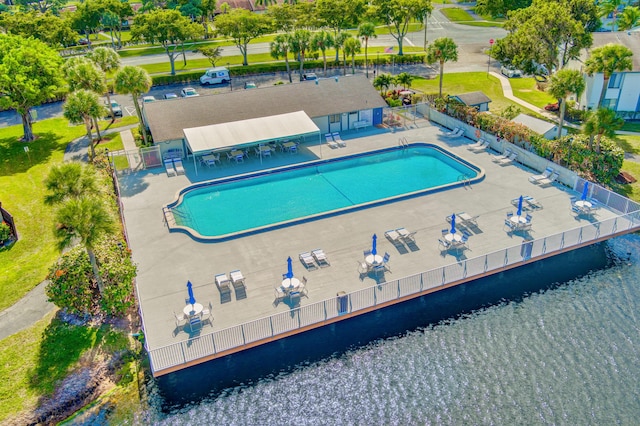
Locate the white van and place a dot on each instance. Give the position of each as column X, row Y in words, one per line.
column 215, row 75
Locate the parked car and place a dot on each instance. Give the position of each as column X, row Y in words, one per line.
column 170, row 96
column 552, row 107
column 215, row 75
column 83, row 41
column 189, row 92
column 116, row 108
column 147, row 99
column 250, row 85
column 310, row 76
column 510, row 71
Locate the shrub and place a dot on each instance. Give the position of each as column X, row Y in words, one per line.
column 5, row 232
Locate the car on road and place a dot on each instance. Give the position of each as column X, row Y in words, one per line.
column 510, row 71
column 189, row 92
column 147, row 99
column 311, row 76
column 170, row 96
column 250, row 85
column 116, row 108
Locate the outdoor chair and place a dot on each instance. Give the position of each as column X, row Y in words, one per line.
column 320, row 257
column 237, row 279
column 329, row 139
column 222, row 282
column 445, row 231
column 338, row 139
column 180, row 319
column 528, row 217
column 545, row 174
column 483, row 145
column 548, row 181
column 509, row 160
column 444, row 243
column 509, row 225
column 177, row 163
column 168, row 167
column 280, row 294
column 207, row 314
column 366, row 253
column 498, row 158
column 307, row 260
column 195, row 323
column 393, row 236
column 363, row 268
column 294, row 297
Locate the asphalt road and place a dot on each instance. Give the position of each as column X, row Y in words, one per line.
column 472, row 44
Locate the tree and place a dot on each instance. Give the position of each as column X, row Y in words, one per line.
column 630, row 18
column 82, row 106
column 42, row 6
column 351, row 48
column 114, row 13
column 366, row 30
column 322, row 41
column 167, row 27
column 442, row 50
column 134, row 81
column 607, row 60
column 610, row 7
column 405, row 79
column 108, row 61
column 283, row 16
column 382, row 82
column 499, row 8
column 339, row 14
column 265, row 2
column 212, row 54
column 549, row 33
column 87, row 17
column 70, row 180
column 45, row 27
column 81, row 73
column 85, row 219
column 397, row 14
column 30, row 74
column 279, row 48
column 300, row 44
column 601, row 122
column 242, row 26
column 563, row 83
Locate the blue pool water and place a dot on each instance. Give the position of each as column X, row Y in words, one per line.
column 266, row 199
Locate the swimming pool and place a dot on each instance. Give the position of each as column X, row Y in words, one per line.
column 239, row 205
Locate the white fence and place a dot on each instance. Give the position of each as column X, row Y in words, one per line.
column 274, row 325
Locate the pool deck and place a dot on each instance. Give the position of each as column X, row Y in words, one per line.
column 167, row 260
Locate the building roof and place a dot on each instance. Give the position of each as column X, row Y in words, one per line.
column 167, row 118
column 473, row 98
column 539, row 126
column 629, row 39
column 216, row 136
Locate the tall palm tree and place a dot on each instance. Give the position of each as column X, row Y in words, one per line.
column 630, row 18
column 83, row 74
column 134, row 81
column 69, row 180
column 367, row 30
column 279, row 48
column 301, row 45
column 607, row 60
column 442, row 50
column 382, row 82
column 108, row 61
column 82, row 106
column 322, row 41
column 601, row 122
column 85, row 219
column 351, row 48
column 563, row 83
column 405, row 79
column 338, row 43
column 610, row 7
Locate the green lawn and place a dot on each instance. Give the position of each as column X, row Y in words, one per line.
column 456, row 14
column 526, row 89
column 26, row 263
column 631, row 144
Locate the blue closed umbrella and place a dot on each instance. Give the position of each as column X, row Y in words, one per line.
column 520, row 206
column 453, row 223
column 585, row 191
column 289, row 268
column 192, row 299
column 374, row 251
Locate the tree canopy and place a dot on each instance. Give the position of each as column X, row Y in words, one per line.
column 134, row 81
column 242, row 26
column 398, row 14
column 564, row 83
column 30, row 74
column 442, row 50
column 45, row 27
column 607, row 60
column 42, row 6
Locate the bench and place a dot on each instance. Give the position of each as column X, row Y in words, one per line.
column 361, row 124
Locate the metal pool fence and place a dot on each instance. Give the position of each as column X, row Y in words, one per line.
column 350, row 303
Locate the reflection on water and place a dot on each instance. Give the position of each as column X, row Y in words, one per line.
column 566, row 354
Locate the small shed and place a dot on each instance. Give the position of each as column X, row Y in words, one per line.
column 544, row 128
column 474, row 99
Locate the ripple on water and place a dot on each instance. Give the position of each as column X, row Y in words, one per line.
column 563, row 356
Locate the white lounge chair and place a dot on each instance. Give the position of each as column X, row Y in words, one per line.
column 406, row 235
column 498, row 158
column 509, row 160
column 482, row 145
column 545, row 174
column 392, row 236
column 177, row 163
column 449, row 133
column 548, row 181
column 329, row 139
column 320, row 257
column 455, row 134
column 168, row 167
column 307, row 260
column 338, row 139
column 222, row 282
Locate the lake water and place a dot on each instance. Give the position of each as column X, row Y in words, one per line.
column 568, row 354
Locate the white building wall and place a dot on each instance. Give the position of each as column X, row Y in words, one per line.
column 629, row 92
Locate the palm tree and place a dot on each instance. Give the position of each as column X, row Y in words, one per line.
column 630, row 18
column 367, row 30
column 610, row 7
column 279, row 48
column 68, row 181
column 607, row 60
column 134, row 81
column 405, row 79
column 563, row 83
column 83, row 74
column 301, row 45
column 322, row 41
column 382, row 82
column 442, row 50
column 81, row 107
column 601, row 122
column 351, row 48
column 338, row 43
column 85, row 219
column 108, row 61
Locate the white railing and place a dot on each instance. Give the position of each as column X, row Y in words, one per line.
column 274, row 325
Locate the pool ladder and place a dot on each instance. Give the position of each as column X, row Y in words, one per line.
column 403, row 142
column 465, row 181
